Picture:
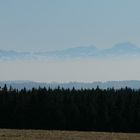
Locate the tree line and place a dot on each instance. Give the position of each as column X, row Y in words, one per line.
column 70, row 109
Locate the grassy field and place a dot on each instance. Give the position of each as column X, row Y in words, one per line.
column 7, row 134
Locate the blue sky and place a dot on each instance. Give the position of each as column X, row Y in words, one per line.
column 57, row 24
column 44, row 25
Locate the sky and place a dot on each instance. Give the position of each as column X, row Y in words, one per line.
column 71, row 71
column 46, row 25
column 57, row 24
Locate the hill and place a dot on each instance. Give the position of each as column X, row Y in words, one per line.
column 134, row 84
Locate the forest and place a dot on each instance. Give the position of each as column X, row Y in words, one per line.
column 112, row 110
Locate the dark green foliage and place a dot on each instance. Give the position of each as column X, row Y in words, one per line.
column 65, row 109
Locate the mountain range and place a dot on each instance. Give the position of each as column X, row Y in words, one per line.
column 126, row 49
column 134, row 84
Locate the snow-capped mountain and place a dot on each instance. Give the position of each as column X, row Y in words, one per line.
column 119, row 50
column 14, row 55
column 123, row 49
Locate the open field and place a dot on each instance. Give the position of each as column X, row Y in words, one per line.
column 7, row 134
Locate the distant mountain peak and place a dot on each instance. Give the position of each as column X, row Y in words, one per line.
column 126, row 45
column 125, row 49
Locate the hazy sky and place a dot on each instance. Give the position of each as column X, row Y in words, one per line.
column 43, row 25
column 57, row 24
column 67, row 70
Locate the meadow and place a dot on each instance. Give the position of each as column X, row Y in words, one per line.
column 13, row 134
